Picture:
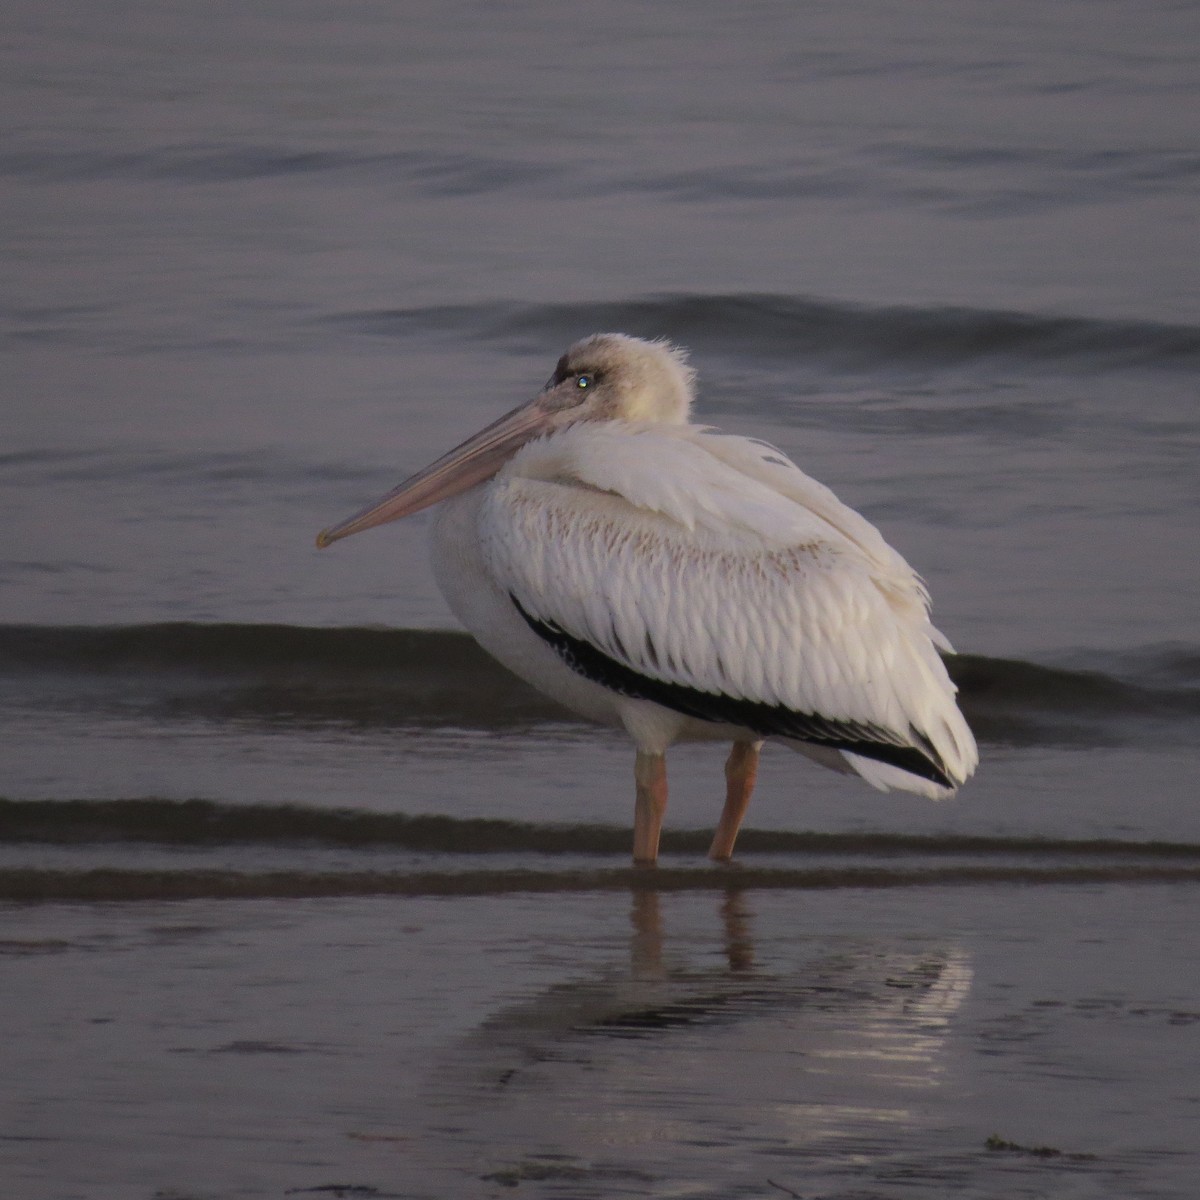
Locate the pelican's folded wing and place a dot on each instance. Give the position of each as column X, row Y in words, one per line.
column 683, row 579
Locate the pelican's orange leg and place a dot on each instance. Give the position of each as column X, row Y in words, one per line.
column 650, row 774
column 741, row 770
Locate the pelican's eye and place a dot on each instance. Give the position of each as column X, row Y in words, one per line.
column 582, row 382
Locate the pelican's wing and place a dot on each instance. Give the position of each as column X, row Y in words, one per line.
column 663, row 571
column 763, row 462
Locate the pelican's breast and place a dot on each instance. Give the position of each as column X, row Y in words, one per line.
column 475, row 596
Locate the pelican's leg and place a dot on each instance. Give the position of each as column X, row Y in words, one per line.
column 650, row 774
column 741, row 770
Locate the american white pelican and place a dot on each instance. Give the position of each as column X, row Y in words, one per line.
column 683, row 583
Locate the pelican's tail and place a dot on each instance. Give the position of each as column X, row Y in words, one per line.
column 885, row 777
column 949, row 749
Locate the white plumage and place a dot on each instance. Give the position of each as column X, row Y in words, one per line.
column 685, row 583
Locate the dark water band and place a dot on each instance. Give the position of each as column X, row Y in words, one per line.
column 112, row 884
column 207, row 823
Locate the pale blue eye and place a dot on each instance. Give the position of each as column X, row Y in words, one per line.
column 584, row 381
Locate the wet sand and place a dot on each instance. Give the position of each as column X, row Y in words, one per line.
column 977, row 1040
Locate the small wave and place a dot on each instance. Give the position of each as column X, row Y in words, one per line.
column 193, row 163
column 761, row 326
column 275, row 673
column 210, row 823
column 521, row 857
column 202, row 467
column 965, row 181
column 430, row 173
column 28, row 885
column 1021, row 703
column 396, row 677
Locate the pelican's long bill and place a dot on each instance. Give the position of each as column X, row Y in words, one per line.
column 477, row 459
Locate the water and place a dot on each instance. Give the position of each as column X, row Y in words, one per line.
column 301, row 893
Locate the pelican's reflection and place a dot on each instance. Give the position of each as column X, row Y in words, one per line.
column 646, row 942
column 735, row 919
column 892, row 998
column 718, row 1018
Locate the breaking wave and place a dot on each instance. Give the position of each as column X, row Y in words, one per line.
column 760, row 326
column 373, row 677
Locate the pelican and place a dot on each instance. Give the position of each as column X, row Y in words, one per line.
column 684, row 584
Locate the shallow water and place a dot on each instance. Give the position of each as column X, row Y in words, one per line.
column 300, row 894
column 972, row 1040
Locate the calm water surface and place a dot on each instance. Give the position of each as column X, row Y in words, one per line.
column 263, row 262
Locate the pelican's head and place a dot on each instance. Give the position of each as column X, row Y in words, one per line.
column 605, row 377
column 614, row 377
